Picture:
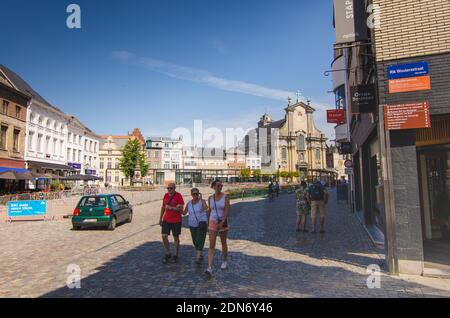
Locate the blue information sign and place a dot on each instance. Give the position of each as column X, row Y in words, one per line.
column 26, row 208
column 407, row 70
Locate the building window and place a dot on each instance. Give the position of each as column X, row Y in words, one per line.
column 17, row 111
column 157, row 154
column 47, row 145
column 40, row 121
column 74, row 158
column 102, row 163
column 3, row 133
column 79, row 156
column 166, row 154
column 68, row 154
column 166, row 165
column 109, row 163
column 340, row 97
column 61, row 148
column 30, row 140
column 117, row 178
column 40, row 143
column 284, row 153
column 301, row 143
column 318, row 154
column 117, row 164
column 5, row 107
column 54, row 125
column 55, row 145
column 31, row 118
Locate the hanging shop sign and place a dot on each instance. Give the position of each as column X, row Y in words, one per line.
column 363, row 98
column 350, row 21
column 336, row 116
column 345, row 148
column 407, row 116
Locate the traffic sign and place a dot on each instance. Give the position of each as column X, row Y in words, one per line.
column 349, row 171
column 348, row 163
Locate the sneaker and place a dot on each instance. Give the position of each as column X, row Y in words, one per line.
column 166, row 259
column 198, row 261
column 209, row 271
column 224, row 265
column 175, row 258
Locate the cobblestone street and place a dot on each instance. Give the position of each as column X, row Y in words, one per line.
column 267, row 259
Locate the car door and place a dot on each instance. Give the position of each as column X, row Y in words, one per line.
column 123, row 210
column 115, row 207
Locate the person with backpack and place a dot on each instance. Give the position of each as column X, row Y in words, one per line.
column 303, row 206
column 318, row 197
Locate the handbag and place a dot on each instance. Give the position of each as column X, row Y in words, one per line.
column 219, row 220
column 203, row 225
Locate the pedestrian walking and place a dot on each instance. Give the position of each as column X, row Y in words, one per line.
column 198, row 222
column 303, row 206
column 271, row 190
column 318, row 197
column 277, row 188
column 170, row 221
column 219, row 210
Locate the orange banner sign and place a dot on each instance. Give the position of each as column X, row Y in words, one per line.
column 409, row 84
column 407, row 116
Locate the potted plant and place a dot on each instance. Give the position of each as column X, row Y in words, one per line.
column 442, row 210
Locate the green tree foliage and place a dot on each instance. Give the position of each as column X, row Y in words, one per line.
column 246, row 173
column 133, row 158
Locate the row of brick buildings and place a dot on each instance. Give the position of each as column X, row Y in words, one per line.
column 391, row 77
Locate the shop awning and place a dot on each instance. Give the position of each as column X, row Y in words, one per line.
column 46, row 165
column 6, row 169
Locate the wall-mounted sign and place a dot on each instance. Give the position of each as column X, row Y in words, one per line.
column 349, row 171
column 410, row 84
column 90, row 172
column 350, row 21
column 345, row 148
column 74, row 165
column 407, row 70
column 363, row 98
column 26, row 208
column 335, row 116
column 407, row 116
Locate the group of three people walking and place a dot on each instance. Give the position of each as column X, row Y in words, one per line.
column 203, row 217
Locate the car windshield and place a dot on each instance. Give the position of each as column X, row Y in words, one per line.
column 93, row 201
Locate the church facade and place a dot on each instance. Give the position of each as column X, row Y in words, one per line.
column 292, row 144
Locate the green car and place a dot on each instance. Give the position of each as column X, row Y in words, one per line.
column 102, row 211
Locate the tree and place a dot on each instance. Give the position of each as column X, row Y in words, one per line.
column 133, row 159
column 257, row 174
column 246, row 173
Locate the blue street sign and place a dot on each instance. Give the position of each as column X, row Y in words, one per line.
column 407, row 70
column 26, row 208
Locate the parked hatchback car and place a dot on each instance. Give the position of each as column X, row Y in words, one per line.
column 101, row 211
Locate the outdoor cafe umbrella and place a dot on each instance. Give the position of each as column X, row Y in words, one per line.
column 13, row 175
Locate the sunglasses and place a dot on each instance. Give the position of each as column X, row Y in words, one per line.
column 195, row 193
column 170, row 188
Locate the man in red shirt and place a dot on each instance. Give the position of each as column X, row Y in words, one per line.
column 170, row 220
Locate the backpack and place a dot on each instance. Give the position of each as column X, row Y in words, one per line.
column 317, row 192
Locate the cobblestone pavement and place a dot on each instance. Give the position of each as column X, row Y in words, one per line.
column 267, row 259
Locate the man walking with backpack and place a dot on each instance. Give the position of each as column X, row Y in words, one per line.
column 318, row 197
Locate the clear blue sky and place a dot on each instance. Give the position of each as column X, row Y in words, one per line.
column 161, row 64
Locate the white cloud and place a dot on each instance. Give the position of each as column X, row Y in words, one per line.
column 201, row 76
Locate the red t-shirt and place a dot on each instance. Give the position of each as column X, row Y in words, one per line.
column 169, row 215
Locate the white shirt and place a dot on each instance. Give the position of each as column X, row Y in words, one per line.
column 196, row 213
column 217, row 208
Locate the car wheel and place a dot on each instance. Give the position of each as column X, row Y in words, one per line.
column 130, row 217
column 76, row 227
column 112, row 224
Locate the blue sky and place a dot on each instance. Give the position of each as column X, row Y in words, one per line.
column 162, row 64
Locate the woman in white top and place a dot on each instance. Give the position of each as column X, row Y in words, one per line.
column 219, row 208
column 198, row 222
